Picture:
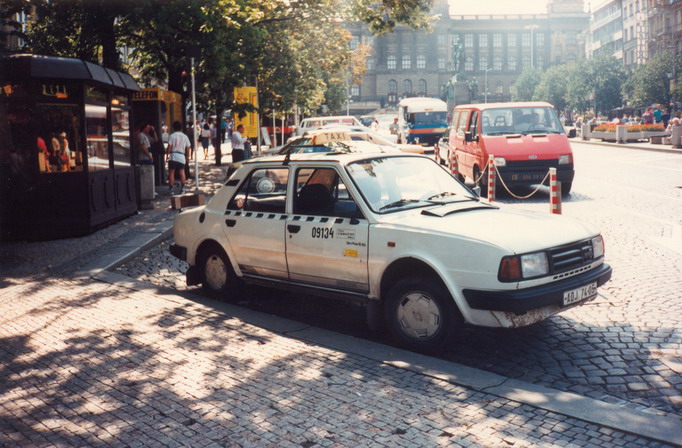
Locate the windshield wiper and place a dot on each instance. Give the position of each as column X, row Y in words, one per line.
column 399, row 203
column 440, row 195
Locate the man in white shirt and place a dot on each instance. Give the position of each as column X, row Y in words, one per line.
column 176, row 154
column 238, row 144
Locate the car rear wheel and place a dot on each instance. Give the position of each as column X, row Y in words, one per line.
column 420, row 314
column 217, row 276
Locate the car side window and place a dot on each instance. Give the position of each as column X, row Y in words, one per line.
column 321, row 192
column 473, row 124
column 265, row 190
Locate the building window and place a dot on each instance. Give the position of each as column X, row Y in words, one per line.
column 421, row 87
column 511, row 40
column 482, row 63
column 525, row 40
column 511, row 63
column 441, row 63
column 407, row 87
column 499, row 88
column 353, row 44
column 497, row 40
column 421, row 62
column 391, row 62
column 369, row 40
column 497, row 62
column 525, row 61
column 392, row 86
column 407, row 62
column 482, row 40
column 540, row 62
column 570, row 58
column 355, row 90
column 469, row 64
column 441, row 40
column 469, row 40
column 370, row 63
column 540, row 39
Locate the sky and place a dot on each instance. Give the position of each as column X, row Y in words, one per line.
column 458, row 7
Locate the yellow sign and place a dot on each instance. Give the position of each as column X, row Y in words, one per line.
column 247, row 95
column 353, row 253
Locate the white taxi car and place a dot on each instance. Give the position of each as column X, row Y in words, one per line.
column 395, row 231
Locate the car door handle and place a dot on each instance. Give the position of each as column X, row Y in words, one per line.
column 230, row 222
column 293, row 228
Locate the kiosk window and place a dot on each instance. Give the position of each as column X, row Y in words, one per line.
column 120, row 130
column 58, row 142
column 97, row 137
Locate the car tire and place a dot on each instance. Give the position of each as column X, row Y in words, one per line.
column 566, row 188
column 482, row 181
column 421, row 314
column 217, row 276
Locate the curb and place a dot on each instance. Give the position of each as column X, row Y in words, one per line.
column 655, row 148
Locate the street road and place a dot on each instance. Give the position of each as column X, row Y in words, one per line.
column 623, row 347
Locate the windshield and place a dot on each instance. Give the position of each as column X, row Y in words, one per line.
column 427, row 117
column 520, row 120
column 389, row 184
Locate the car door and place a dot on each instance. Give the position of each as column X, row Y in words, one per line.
column 326, row 234
column 255, row 222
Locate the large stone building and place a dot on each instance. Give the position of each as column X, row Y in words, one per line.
column 494, row 48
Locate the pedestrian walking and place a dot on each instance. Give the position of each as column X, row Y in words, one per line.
column 658, row 114
column 648, row 116
column 238, row 153
column 205, row 136
column 177, row 153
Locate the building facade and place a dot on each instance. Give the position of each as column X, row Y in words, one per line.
column 492, row 51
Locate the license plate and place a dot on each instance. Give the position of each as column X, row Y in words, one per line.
column 579, row 294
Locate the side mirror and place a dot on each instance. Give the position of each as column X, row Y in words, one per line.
column 571, row 133
column 469, row 137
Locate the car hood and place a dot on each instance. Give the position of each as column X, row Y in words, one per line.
column 515, row 230
column 523, row 147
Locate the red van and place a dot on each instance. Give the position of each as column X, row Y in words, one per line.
column 526, row 139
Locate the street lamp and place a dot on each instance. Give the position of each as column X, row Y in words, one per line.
column 485, row 86
column 532, row 43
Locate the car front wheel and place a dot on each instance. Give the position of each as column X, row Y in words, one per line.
column 421, row 314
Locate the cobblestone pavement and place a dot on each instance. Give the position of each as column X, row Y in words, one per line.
column 86, row 363
column 624, row 347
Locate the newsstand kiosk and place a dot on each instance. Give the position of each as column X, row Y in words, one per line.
column 66, row 165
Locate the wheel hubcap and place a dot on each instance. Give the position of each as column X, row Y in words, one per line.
column 419, row 316
column 216, row 272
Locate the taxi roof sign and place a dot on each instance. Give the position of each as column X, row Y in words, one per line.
column 330, row 136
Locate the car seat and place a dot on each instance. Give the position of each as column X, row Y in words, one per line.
column 314, row 199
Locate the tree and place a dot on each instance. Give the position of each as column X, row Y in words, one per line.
column 525, row 85
column 552, row 87
column 595, row 84
column 650, row 82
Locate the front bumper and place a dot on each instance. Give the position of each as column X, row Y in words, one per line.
column 524, row 300
column 178, row 252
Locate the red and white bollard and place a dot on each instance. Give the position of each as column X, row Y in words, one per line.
column 554, row 193
column 454, row 169
column 491, row 178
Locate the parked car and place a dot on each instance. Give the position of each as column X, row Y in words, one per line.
column 526, row 139
column 394, row 231
column 317, row 122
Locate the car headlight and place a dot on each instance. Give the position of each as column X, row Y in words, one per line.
column 598, row 246
column 500, row 161
column 523, row 267
column 565, row 159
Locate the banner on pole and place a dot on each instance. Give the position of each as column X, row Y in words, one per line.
column 247, row 95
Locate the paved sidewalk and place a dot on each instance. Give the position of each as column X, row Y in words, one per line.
column 92, row 358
